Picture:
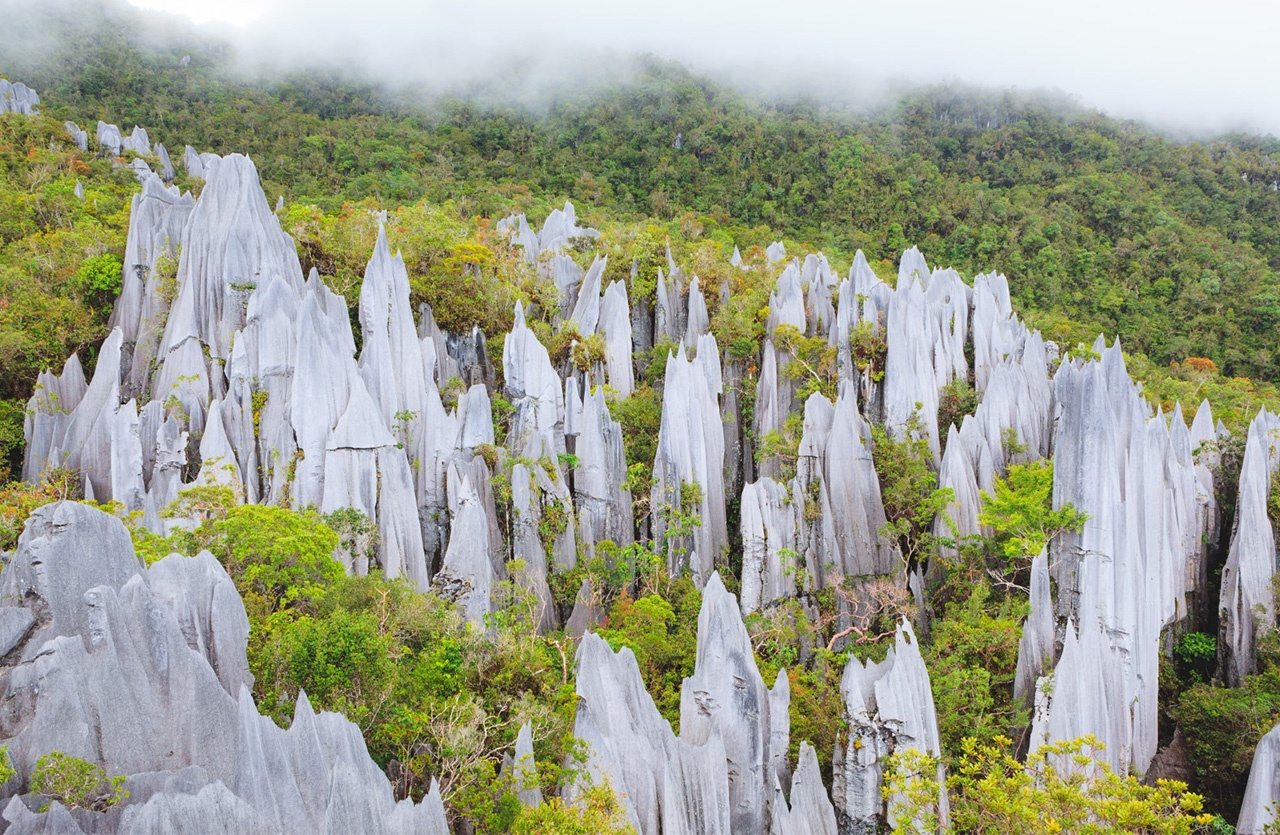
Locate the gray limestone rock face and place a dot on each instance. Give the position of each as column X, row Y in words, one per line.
column 50, row 572
column 853, row 491
column 524, row 774
column 842, row 535
column 561, row 228
column 888, row 707
column 665, row 784
column 770, row 533
column 863, row 303
column 166, row 165
column 698, row 320
column 141, row 170
column 527, row 511
column 48, row 416
column 586, row 312
column 587, row 612
column 15, row 625
column 207, row 607
column 959, row 518
column 233, row 244
column 559, row 231
column 393, row 365
column 1036, row 647
column 818, row 281
column 926, row 331
column 143, row 672
column 78, row 136
column 615, row 326
column 727, row 697
column 532, row 382
column 137, row 141
column 1246, row 601
column 110, row 142
column 475, row 418
column 1261, row 806
column 810, row 811
column 671, row 312
column 770, row 410
column 690, row 450
column 16, row 97
column 604, row 507
column 467, row 577
column 1127, row 575
column 192, row 162
column 157, row 223
column 786, row 302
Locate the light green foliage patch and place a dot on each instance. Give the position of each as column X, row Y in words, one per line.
column 75, row 783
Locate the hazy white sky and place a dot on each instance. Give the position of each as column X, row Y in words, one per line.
column 1193, row 65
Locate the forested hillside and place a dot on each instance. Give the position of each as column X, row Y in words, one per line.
column 1104, row 223
column 1100, row 225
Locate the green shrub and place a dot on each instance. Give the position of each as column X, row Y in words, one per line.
column 955, row 400
column 100, row 276
column 596, row 812
column 972, row 657
column 76, row 783
column 1061, row 788
column 658, row 629
column 1196, row 653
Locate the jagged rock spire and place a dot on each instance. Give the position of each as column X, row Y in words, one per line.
column 889, row 708
column 691, row 451
column 189, row 738
column 1247, row 601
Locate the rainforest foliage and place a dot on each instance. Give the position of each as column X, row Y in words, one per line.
column 1100, row 224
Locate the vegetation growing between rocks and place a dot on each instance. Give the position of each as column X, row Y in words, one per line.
column 1102, row 225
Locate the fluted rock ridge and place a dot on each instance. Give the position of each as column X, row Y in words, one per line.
column 16, row 97
column 195, row 750
column 889, row 708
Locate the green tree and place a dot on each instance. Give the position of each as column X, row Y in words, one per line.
column 1021, row 513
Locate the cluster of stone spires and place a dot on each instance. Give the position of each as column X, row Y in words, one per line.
column 239, row 372
column 18, row 98
column 143, row 671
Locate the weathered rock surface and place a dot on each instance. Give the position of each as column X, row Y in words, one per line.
column 198, row 756
column 1261, row 806
column 810, row 812
column 1131, row 570
column 770, row 533
column 1036, row 646
column 726, row 770
column 16, row 97
column 78, row 136
column 889, row 708
column 726, row 697
column 691, row 451
column 666, row 784
column 834, row 468
column 1247, row 600
column 604, row 507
